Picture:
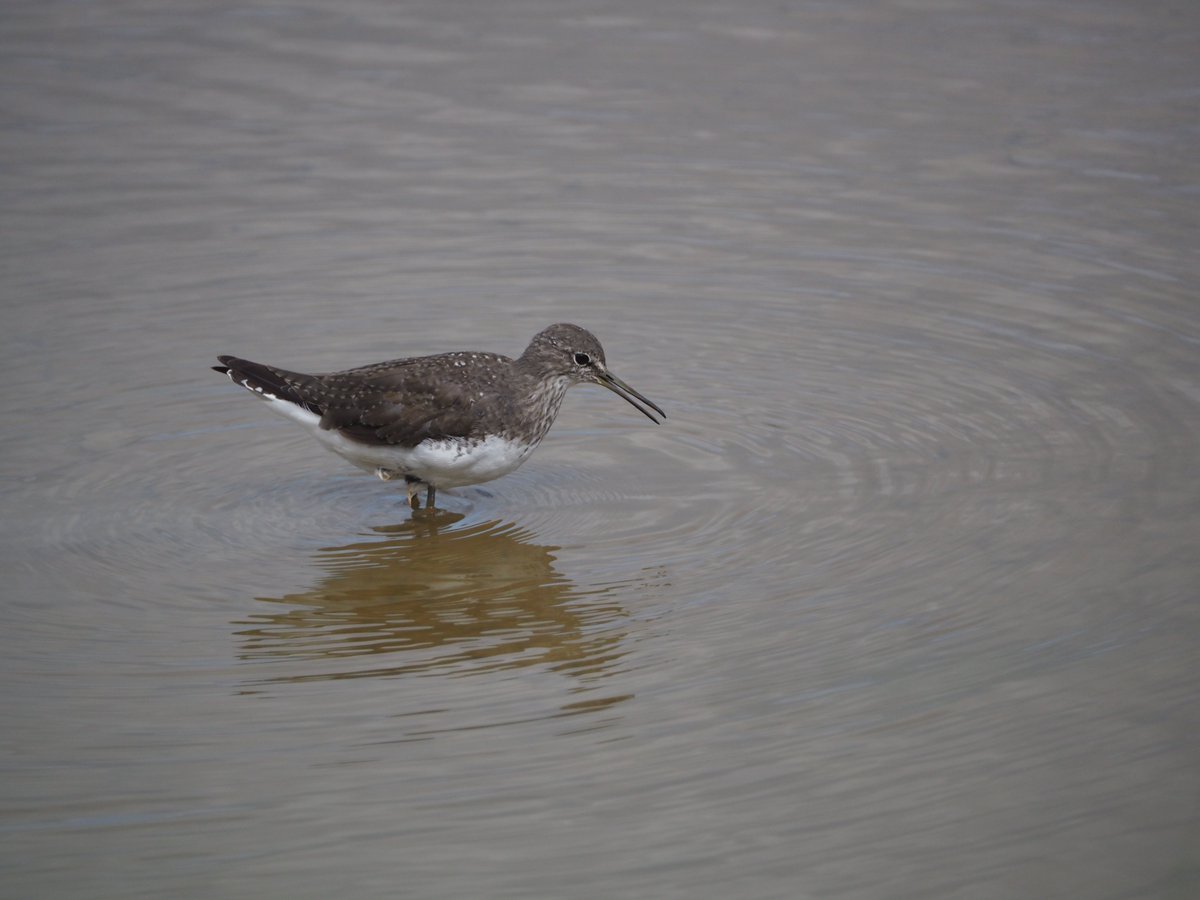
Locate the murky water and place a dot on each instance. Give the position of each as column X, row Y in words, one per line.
column 900, row 602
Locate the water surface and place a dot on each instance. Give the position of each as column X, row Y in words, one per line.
column 899, row 602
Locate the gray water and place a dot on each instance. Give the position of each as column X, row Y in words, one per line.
column 901, row 601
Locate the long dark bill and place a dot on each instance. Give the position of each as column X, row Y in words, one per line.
column 621, row 389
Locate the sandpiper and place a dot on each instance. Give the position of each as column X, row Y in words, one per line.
column 440, row 421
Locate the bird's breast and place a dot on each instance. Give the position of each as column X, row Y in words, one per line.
column 460, row 461
column 445, row 462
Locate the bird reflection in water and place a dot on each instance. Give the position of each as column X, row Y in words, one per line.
column 426, row 597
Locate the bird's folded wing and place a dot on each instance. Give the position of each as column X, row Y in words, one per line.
column 402, row 407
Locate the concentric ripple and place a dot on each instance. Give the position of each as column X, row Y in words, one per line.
column 888, row 412
column 811, row 446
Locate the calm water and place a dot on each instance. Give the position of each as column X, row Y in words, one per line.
column 901, row 602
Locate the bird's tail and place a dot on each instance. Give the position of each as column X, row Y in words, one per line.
column 267, row 381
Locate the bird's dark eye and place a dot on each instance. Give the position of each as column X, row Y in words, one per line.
column 582, row 359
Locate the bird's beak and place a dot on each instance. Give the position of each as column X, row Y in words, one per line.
column 621, row 389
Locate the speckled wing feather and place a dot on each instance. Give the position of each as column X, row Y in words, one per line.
column 401, row 402
column 278, row 383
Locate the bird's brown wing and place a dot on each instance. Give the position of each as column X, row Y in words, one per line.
column 401, row 402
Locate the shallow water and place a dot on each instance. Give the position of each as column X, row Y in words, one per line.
column 899, row 602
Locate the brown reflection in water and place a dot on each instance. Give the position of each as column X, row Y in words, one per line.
column 427, row 598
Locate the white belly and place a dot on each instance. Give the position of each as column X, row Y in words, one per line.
column 444, row 464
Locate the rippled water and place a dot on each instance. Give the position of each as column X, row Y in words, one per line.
column 899, row 602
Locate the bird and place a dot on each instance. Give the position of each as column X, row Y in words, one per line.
column 443, row 421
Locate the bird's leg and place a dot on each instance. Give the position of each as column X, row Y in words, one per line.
column 429, row 495
column 414, row 488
